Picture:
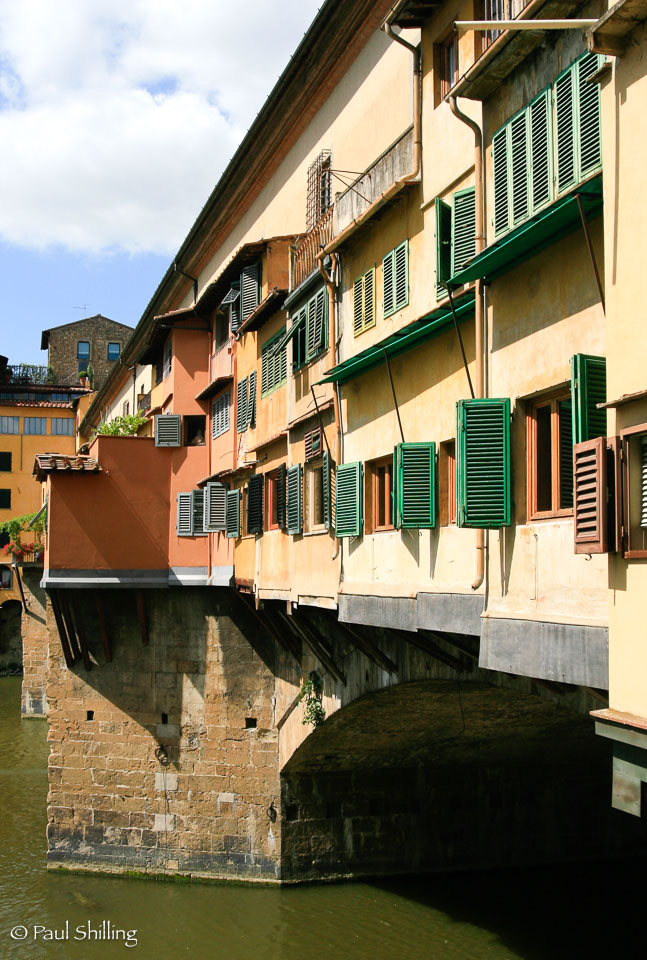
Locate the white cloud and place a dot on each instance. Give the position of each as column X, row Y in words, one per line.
column 117, row 117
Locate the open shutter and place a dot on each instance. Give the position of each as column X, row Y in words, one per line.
column 588, row 388
column 255, row 504
column 541, row 173
column 590, row 500
column 312, row 443
column 519, row 167
column 588, row 119
column 234, row 315
column 241, row 405
column 414, row 485
column 280, row 496
column 348, row 504
column 295, row 510
column 316, row 317
column 463, row 231
column 215, row 506
column 565, row 130
column 483, row 463
column 501, row 191
column 388, row 283
column 402, row 275
column 220, row 415
column 328, row 492
column 232, row 515
column 443, row 246
column 197, row 511
column 184, row 522
column 251, row 403
column 249, row 290
column 168, row 430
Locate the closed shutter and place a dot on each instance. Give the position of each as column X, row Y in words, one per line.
column 414, row 485
column 280, row 496
column 295, row 510
column 249, row 289
column 184, row 522
column 483, row 463
column 168, row 430
column 168, row 357
column 590, row 507
column 251, row 404
column 315, row 324
column 443, row 246
column 234, row 315
column 565, row 130
column 255, row 504
column 312, row 443
column 388, row 283
column 197, row 504
column 588, row 388
column 215, row 506
column 241, row 406
column 541, row 172
column 463, row 245
column 501, row 191
column 328, row 490
column 402, row 275
column 220, row 415
column 348, row 500
column 364, row 302
column 232, row 518
column 519, row 168
column 588, row 121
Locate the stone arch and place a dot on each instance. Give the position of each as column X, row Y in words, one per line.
column 10, row 636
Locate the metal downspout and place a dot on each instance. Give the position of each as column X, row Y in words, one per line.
column 479, row 385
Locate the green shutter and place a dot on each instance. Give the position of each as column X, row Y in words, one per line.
column 541, row 167
column 402, row 275
column 588, row 388
column 251, row 403
column 241, row 405
column 500, row 152
column 364, row 302
column 232, row 519
column 317, row 313
column 388, row 283
column 443, row 246
column 414, row 485
column 358, row 305
column 280, row 496
column 327, row 467
column 234, row 306
column 483, row 463
column 255, row 504
column 519, row 167
column 565, row 130
column 295, row 508
column 348, row 502
column 588, row 115
column 463, row 246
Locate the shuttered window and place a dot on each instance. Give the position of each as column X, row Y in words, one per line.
column 281, row 475
column 312, row 443
column 317, row 327
column 395, row 279
column 255, row 504
column 295, row 499
column 550, row 456
column 590, row 507
column 443, row 246
column 414, row 485
column 328, row 489
column 215, row 506
column 274, row 365
column 241, row 405
column 250, row 283
column 168, row 358
column 483, row 463
column 348, row 500
column 168, row 430
column 197, row 502
column 184, row 523
column 588, row 388
column 220, row 414
column 364, row 302
column 232, row 514
column 455, row 236
column 577, row 122
column 251, row 400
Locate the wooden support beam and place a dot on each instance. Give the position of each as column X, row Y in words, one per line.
column 16, row 572
column 107, row 648
column 60, row 626
column 87, row 663
column 290, row 710
column 315, row 644
column 141, row 616
column 69, row 626
column 288, row 639
column 265, row 623
column 368, row 647
column 431, row 648
column 455, row 640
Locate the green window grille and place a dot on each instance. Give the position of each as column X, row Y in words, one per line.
column 395, row 279
column 348, row 500
column 414, row 485
column 588, row 388
column 483, row 463
column 295, row 499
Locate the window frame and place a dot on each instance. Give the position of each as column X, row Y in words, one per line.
column 6, row 453
column 372, row 494
column 61, row 433
column 364, row 324
column 552, row 400
column 81, row 356
column 629, row 436
column 34, row 433
column 447, row 483
column 310, row 468
column 272, row 500
column 113, row 344
column 6, row 490
column 447, row 81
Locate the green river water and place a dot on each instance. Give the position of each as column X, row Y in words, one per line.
column 589, row 910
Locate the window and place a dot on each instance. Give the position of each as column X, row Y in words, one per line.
column 274, row 364
column 447, row 483
column 379, row 494
column 447, row 64
column 319, row 198
column 483, row 463
column 167, row 361
column 9, row 424
column 220, row 415
column 125, row 408
column 455, row 236
column 314, row 496
column 5, row 578
column 300, row 340
column 588, row 389
column 168, row 430
column 250, row 290
column 550, row 457
column 294, row 482
column 190, row 514
column 548, row 147
column 83, row 350
column 114, row 349
column 348, row 500
column 5, row 499
column 255, row 504
column 634, row 508
column 62, row 426
column 60, row 397
column 230, row 308
column 194, row 430
column 232, row 514
column 395, row 277
column 221, row 329
column 364, row 302
column 35, row 426
column 5, row 462
column 215, row 507
column 272, row 499
column 159, row 370
column 241, row 405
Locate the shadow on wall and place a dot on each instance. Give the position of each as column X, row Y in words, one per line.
column 10, row 637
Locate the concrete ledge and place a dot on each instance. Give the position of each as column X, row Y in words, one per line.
column 450, row 612
column 396, row 612
column 55, row 579
column 221, row 576
column 188, row 577
column 565, row 653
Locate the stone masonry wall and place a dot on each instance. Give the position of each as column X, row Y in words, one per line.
column 99, row 331
column 35, row 646
column 199, row 690
column 10, row 636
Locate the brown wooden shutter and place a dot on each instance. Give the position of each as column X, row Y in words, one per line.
column 590, row 496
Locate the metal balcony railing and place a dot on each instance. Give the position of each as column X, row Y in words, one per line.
column 499, row 10
column 305, row 254
column 222, row 362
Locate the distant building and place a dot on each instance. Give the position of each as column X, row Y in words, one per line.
column 73, row 347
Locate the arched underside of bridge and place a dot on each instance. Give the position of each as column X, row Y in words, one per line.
column 431, row 776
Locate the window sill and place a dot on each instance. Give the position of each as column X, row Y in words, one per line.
column 315, row 533
column 553, row 515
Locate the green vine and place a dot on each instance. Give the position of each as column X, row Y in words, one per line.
column 121, row 426
column 312, row 693
column 16, row 526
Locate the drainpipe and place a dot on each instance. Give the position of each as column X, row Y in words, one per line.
column 332, row 313
column 479, row 379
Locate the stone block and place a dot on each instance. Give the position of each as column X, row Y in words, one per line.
column 164, row 822
column 166, row 781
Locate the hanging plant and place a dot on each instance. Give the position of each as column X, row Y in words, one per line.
column 312, row 694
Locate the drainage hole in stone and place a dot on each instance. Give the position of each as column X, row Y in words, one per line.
column 250, row 723
column 292, row 812
column 89, row 715
column 333, row 809
column 165, row 718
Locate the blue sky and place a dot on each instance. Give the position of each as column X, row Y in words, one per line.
column 116, row 119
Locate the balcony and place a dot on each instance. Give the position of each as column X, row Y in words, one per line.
column 144, row 403
column 305, row 254
column 221, row 369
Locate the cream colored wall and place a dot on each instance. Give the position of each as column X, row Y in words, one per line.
column 129, row 390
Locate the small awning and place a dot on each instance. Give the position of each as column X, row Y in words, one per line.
column 289, row 333
column 406, row 338
column 545, row 228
